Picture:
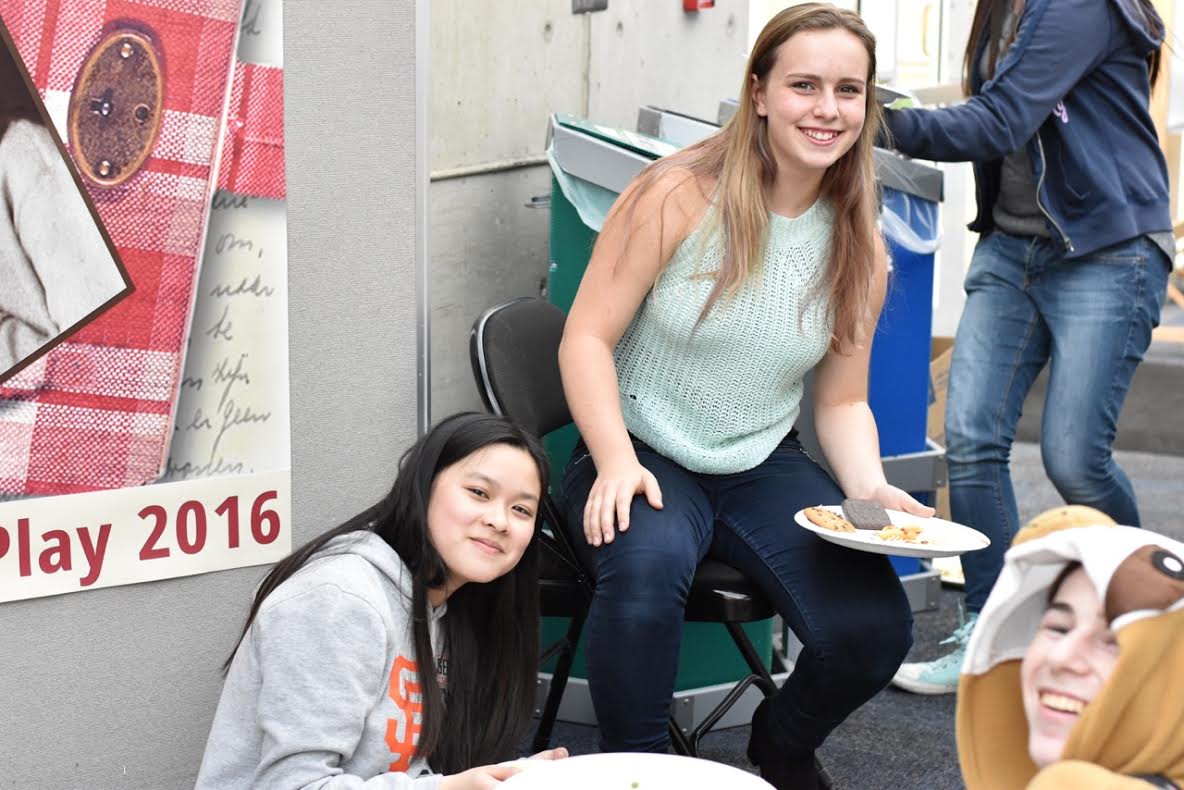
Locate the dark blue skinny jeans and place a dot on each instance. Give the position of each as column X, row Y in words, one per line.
column 846, row 607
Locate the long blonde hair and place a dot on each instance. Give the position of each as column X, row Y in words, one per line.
column 739, row 161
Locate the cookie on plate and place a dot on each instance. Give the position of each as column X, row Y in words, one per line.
column 828, row 520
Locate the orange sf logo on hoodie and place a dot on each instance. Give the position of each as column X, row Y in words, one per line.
column 405, row 692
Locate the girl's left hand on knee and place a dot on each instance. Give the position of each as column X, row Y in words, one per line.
column 893, row 498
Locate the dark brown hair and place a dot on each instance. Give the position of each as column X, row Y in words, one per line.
column 1055, row 587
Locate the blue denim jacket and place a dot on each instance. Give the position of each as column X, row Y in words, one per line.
column 1074, row 88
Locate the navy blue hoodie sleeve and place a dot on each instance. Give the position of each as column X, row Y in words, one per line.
column 1058, row 42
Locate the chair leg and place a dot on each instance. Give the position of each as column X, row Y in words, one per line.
column 708, row 724
column 688, row 743
column 755, row 665
column 558, row 647
column 682, row 745
column 542, row 736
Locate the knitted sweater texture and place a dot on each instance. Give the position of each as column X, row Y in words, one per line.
column 719, row 397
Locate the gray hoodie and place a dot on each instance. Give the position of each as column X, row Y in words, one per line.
column 324, row 690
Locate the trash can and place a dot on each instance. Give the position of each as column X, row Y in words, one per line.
column 590, row 165
column 898, row 381
column 674, row 127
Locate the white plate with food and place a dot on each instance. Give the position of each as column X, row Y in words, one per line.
column 621, row 771
column 906, row 536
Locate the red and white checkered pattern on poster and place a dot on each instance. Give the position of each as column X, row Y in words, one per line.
column 253, row 150
column 95, row 412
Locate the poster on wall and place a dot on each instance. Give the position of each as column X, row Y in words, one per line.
column 154, row 441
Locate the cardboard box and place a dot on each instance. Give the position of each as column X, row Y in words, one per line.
column 941, row 352
column 939, row 380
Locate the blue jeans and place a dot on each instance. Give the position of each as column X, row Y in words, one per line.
column 847, row 607
column 1091, row 320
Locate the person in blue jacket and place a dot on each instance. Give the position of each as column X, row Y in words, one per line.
column 1071, row 266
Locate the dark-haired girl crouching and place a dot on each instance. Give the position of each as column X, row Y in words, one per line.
column 397, row 650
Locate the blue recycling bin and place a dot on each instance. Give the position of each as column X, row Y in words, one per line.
column 898, row 381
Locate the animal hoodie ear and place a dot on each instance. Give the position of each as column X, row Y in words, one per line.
column 1059, row 518
column 1151, row 579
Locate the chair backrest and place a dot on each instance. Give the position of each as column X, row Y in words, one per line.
column 514, row 350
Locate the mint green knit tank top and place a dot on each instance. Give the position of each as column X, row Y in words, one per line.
column 720, row 398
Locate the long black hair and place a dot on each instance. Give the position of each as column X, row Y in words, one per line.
column 989, row 16
column 491, row 629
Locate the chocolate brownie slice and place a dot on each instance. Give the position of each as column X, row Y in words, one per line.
column 866, row 513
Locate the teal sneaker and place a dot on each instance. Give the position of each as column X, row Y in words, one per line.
column 939, row 676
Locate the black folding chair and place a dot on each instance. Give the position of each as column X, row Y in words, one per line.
column 514, row 350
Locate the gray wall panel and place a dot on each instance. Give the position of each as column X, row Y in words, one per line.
column 350, row 97
column 487, row 248
column 116, row 688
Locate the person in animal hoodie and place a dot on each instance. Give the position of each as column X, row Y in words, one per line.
column 1074, row 677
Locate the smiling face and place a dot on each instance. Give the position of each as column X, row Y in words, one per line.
column 1066, row 666
column 814, row 100
column 481, row 515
